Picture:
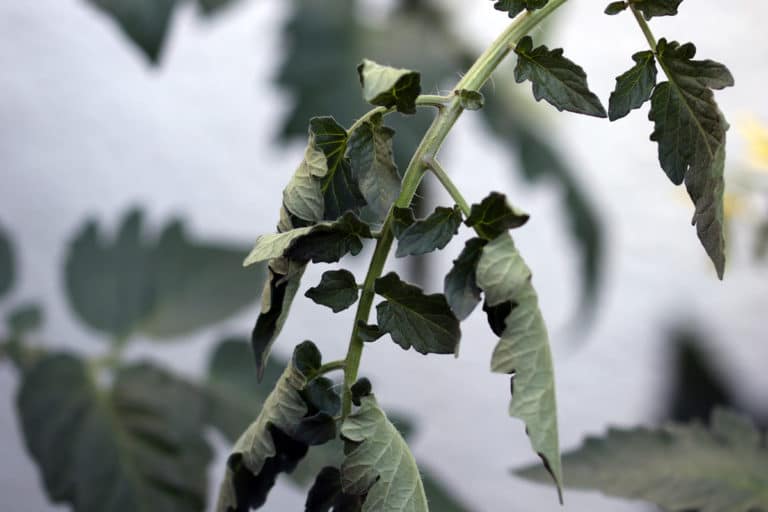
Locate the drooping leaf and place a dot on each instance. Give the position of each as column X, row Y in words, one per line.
column 413, row 319
column 303, row 196
column 634, row 87
column 337, row 290
column 25, row 318
column 267, row 447
column 651, row 8
column 494, row 216
column 691, row 133
column 163, row 288
column 614, row 8
column 385, row 86
column 470, row 100
column 556, row 79
column 145, row 22
column 430, row 234
column 460, row 286
column 136, row 446
column 6, row 263
column 276, row 299
column 523, row 350
column 326, row 494
column 678, row 467
column 340, row 190
column 373, row 167
column 515, row 7
column 379, row 464
column 325, row 242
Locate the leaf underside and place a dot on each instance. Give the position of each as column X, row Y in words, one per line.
column 389, row 87
column 678, row 467
column 97, row 449
column 379, row 463
column 523, row 350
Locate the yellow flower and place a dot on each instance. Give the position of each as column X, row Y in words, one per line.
column 756, row 134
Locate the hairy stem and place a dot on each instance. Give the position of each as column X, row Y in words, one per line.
column 475, row 78
column 331, row 366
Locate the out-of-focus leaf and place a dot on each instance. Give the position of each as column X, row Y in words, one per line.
column 439, row 495
column 379, row 463
column 616, row 7
column 678, row 467
column 337, row 290
column 556, row 79
column 6, row 263
column 164, row 288
column 146, row 22
column 523, row 348
column 515, row 7
column 138, row 446
column 413, row 319
column 25, row 318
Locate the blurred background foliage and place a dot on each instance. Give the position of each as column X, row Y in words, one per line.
column 168, row 286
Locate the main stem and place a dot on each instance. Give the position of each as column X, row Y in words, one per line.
column 433, row 139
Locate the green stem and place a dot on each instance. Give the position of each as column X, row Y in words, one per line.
column 437, row 169
column 332, row 366
column 431, row 100
column 644, row 27
column 433, row 139
column 367, row 116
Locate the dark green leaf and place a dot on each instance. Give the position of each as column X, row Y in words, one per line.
column 145, row 22
column 389, row 87
column 460, row 287
column 276, row 300
column 6, row 263
column 515, row 7
column 634, row 87
column 373, row 167
column 326, row 494
column 369, row 332
column 432, row 233
column 651, row 8
column 494, row 216
column 379, row 463
column 690, row 131
column 470, row 100
column 360, row 389
column 164, row 288
column 678, row 467
column 402, row 219
column 523, row 350
column 138, row 446
column 25, row 318
column 340, row 190
column 412, row 318
column 326, row 242
column 556, row 79
column 616, row 7
column 337, row 290
column 268, row 447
